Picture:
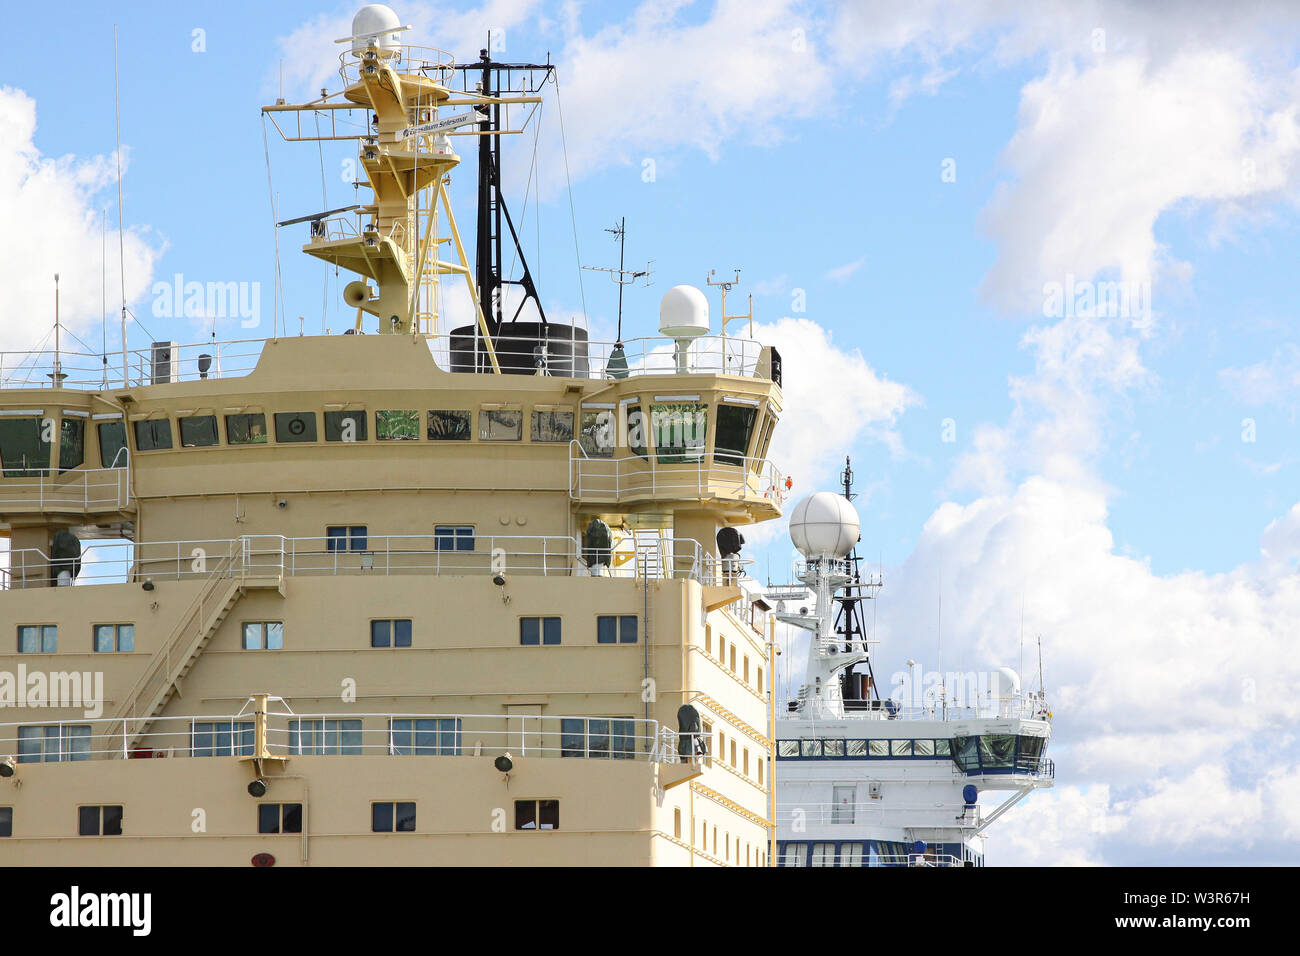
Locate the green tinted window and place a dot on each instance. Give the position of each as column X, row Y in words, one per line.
column 72, row 443
column 397, row 425
column 735, row 423
column 449, row 424
column 112, row 445
column 679, row 431
column 22, row 452
column 153, row 433
column 198, row 431
column 246, row 429
column 295, row 426
column 345, row 426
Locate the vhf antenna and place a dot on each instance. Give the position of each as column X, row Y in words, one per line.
column 726, row 285
column 621, row 276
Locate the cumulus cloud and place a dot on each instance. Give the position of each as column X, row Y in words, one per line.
column 58, row 202
column 1271, row 381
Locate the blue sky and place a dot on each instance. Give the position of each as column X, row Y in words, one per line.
column 806, row 144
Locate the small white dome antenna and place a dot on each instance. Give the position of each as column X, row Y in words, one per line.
column 377, row 25
column 824, row 525
column 683, row 315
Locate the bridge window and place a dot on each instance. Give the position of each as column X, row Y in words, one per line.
column 199, row 431
column 392, row 817
column 449, row 424
column 680, row 429
column 247, row 429
column 552, row 425
column 100, row 821
column 222, row 738
column 855, row 748
column 598, row 433
column 810, row 748
column 345, row 426
column 833, row 748
column 53, row 742
column 295, row 427
column 23, row 453
column 391, row 633
column 537, row 814
column 325, row 736
column 401, row 424
column 792, row 854
column 110, row 638
column 279, row 818
column 38, row 638
column 823, row 854
column 997, row 751
column 637, row 428
column 900, row 748
column 153, row 434
column 735, row 425
column 923, row 748
column 500, row 424
column 616, row 629
column 72, row 443
column 112, row 445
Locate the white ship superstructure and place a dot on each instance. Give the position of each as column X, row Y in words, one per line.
column 863, row 781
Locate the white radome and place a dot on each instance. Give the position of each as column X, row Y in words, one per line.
column 1005, row 682
column 824, row 523
column 375, row 18
column 683, row 312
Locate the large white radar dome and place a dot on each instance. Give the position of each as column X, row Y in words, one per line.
column 824, row 523
column 683, row 312
column 375, row 18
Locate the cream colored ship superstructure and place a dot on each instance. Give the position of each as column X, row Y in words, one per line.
column 365, row 614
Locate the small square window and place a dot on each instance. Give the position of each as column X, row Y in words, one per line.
column 38, row 639
column 616, row 629
column 249, row 429
column 346, row 537
column 345, row 426
column 114, row 637
column 392, row 817
column 539, row 630
column 99, row 820
column 390, row 633
column 448, row 537
column 263, row 635
column 295, row 427
column 6, row 821
column 279, row 818
column 537, row 814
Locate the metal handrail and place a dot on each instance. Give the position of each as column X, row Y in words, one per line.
column 710, row 474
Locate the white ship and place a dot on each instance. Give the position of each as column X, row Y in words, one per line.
column 866, row 781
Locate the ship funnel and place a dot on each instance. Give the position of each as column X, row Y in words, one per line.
column 378, row 25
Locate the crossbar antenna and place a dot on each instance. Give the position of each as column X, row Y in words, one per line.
column 622, row 276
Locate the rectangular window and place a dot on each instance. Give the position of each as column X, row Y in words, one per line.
column 153, row 434
column 679, row 431
column 425, row 736
column 823, row 854
column 249, row 429
column 942, row 748
column 53, row 742
column 600, row 737
column 325, row 736
column 500, row 424
column 401, row 424
column 263, row 635
column 900, row 748
column 392, row 817
column 735, row 425
column 112, row 445
column 537, row 814
column 38, row 638
column 616, row 629
column 295, row 427
column 923, row 748
column 793, row 854
column 346, row 537
column 100, row 821
column 448, row 537
column 222, row 738
column 23, row 451
column 855, row 748
column 395, row 632
column 832, row 748
column 850, row 854
column 551, row 425
column 72, row 443
column 110, row 638
column 598, row 433
column 6, row 821
column 787, row 748
column 878, row 748
column 637, row 429
column 279, row 818
column 345, row 426
column 539, row 630
column 449, row 424
column 199, row 431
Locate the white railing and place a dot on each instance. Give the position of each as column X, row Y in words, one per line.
column 1028, row 706
column 49, row 489
column 710, row 475
column 799, row 815
column 269, row 555
column 436, row 64
column 83, row 370
column 347, row 733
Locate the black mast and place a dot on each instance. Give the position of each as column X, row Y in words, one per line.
column 848, row 616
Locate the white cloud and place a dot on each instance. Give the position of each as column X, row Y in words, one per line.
column 54, row 209
column 1272, row 381
column 841, row 273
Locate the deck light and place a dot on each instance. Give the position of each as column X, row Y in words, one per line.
column 148, row 584
column 257, row 788
column 7, row 767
